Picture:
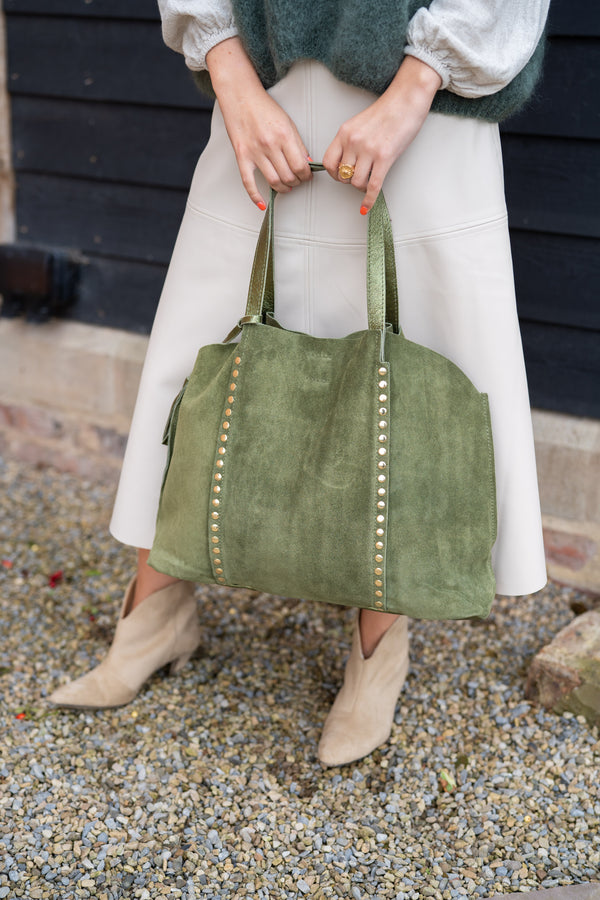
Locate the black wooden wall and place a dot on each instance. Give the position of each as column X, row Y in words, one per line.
column 107, row 126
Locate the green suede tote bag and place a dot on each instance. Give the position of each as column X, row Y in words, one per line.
column 355, row 470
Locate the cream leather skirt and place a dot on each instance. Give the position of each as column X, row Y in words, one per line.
column 446, row 200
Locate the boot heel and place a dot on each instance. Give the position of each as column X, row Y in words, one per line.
column 178, row 664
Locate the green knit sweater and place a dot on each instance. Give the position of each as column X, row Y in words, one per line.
column 361, row 42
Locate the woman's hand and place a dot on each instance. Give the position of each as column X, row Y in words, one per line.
column 373, row 140
column 262, row 134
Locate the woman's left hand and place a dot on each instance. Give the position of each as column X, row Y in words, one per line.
column 373, row 140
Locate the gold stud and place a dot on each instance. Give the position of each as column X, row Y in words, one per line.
column 223, row 450
column 379, row 545
column 218, row 476
column 379, row 594
column 382, row 437
column 215, row 502
column 382, row 398
column 227, row 412
column 380, row 532
column 230, row 399
column 217, row 562
column 378, row 571
column 232, row 386
column 217, row 488
column 379, row 518
column 237, row 360
column 378, row 557
column 381, row 492
column 380, row 478
column 383, row 384
column 221, row 580
column 383, row 370
column 378, row 582
column 383, row 410
column 235, row 373
column 214, row 527
column 223, row 437
column 225, row 425
column 383, row 423
column 380, row 465
column 382, row 451
column 215, row 539
column 378, row 602
column 220, row 461
column 381, row 504
column 215, row 515
column 220, row 572
column 215, row 550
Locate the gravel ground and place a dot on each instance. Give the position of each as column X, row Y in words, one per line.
column 208, row 785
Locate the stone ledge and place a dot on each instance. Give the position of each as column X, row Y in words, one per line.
column 567, row 450
column 71, row 369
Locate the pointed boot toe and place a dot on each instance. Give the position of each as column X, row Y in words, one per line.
column 162, row 629
column 98, row 689
column 362, row 714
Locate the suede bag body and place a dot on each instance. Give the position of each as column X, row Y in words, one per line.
column 356, row 470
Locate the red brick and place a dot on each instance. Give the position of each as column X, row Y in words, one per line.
column 572, row 551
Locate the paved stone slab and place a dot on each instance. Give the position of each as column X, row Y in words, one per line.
column 572, row 892
column 565, row 675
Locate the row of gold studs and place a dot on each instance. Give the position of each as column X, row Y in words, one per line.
column 218, row 478
column 382, row 482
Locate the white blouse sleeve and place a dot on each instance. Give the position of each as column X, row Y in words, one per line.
column 193, row 27
column 476, row 46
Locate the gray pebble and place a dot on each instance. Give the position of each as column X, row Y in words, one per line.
column 208, row 774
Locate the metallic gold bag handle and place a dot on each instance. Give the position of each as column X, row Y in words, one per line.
column 382, row 286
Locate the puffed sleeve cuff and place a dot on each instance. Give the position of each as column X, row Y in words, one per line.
column 197, row 42
column 432, row 60
column 193, row 27
column 476, row 46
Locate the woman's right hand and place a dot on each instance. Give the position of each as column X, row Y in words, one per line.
column 262, row 134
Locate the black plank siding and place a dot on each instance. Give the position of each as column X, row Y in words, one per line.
column 108, row 142
column 107, row 126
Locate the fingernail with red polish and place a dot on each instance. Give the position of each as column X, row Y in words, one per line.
column 309, row 158
column 262, row 205
column 363, row 210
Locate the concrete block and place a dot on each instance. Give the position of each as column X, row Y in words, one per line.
column 565, row 675
column 70, row 367
column 567, row 450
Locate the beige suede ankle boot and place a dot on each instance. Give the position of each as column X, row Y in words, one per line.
column 162, row 629
column 363, row 712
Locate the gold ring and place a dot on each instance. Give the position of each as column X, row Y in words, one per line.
column 345, row 172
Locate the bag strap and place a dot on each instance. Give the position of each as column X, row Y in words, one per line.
column 382, row 286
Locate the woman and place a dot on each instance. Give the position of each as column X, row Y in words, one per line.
column 411, row 99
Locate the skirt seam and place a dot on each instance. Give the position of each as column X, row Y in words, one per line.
column 416, row 237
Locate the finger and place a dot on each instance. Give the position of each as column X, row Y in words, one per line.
column 374, row 186
column 271, row 174
column 362, row 173
column 280, row 162
column 247, row 170
column 298, row 158
column 332, row 157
